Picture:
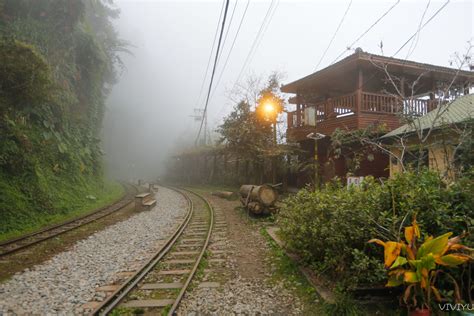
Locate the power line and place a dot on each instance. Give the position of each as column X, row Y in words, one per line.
column 415, row 42
column 231, row 48
column 334, row 35
column 366, row 31
column 411, row 37
column 265, row 30
column 258, row 39
column 228, row 29
column 213, row 68
column 255, row 42
column 429, row 20
column 210, row 54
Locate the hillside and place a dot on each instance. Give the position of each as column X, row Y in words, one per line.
column 58, row 62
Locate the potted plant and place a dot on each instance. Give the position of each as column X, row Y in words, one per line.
column 417, row 265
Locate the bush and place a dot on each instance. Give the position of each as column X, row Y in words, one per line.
column 330, row 228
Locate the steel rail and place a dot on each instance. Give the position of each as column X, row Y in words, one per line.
column 126, row 199
column 116, row 297
column 173, row 308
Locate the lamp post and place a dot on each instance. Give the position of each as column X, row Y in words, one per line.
column 316, row 136
column 271, row 112
column 269, row 109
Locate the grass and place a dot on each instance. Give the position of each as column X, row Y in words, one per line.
column 286, row 271
column 68, row 203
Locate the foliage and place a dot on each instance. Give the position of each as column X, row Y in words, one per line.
column 464, row 151
column 243, row 133
column 248, row 132
column 347, row 143
column 25, row 74
column 329, row 227
column 22, row 213
column 417, row 265
column 59, row 58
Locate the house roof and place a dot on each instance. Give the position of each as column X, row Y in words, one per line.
column 360, row 58
column 457, row 111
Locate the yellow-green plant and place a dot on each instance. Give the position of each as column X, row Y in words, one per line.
column 417, row 265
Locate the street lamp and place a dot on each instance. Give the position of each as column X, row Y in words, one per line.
column 268, row 108
column 315, row 136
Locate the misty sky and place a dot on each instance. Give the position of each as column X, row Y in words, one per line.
column 149, row 109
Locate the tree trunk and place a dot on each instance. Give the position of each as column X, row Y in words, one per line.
column 263, row 194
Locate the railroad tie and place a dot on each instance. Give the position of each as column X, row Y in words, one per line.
column 161, row 286
column 107, row 288
column 185, row 253
column 185, row 240
column 180, row 261
column 148, row 303
column 174, row 272
column 189, row 246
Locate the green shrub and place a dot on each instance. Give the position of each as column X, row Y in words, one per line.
column 329, row 228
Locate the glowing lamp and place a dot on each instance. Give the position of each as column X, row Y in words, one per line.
column 269, row 108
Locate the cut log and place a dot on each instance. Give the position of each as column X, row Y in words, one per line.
column 224, row 194
column 263, row 194
column 255, row 207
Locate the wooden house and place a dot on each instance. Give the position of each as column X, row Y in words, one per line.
column 359, row 91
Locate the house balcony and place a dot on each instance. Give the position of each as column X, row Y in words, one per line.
column 353, row 111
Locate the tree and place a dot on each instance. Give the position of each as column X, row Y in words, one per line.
column 249, row 132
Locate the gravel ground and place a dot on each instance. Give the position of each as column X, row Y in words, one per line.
column 63, row 284
column 245, row 276
column 241, row 297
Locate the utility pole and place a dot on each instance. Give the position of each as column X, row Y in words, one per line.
column 205, row 128
column 198, row 116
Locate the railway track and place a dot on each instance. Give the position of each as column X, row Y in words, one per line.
column 160, row 284
column 13, row 245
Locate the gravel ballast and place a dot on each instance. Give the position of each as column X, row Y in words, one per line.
column 244, row 272
column 63, row 284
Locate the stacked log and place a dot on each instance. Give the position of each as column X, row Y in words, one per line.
column 258, row 199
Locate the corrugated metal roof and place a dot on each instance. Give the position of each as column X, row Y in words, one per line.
column 459, row 110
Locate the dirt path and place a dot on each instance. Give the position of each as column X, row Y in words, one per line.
column 239, row 261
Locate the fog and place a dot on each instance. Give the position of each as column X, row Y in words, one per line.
column 149, row 111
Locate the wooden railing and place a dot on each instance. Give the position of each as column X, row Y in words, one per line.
column 382, row 103
column 419, row 106
column 335, row 107
column 370, row 103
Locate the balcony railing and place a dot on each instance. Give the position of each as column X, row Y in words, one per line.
column 347, row 105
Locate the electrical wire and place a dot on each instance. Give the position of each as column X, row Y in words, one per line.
column 429, row 20
column 231, row 48
column 334, row 35
column 265, row 30
column 210, row 55
column 255, row 42
column 366, row 31
column 228, row 29
column 414, row 43
column 213, row 69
